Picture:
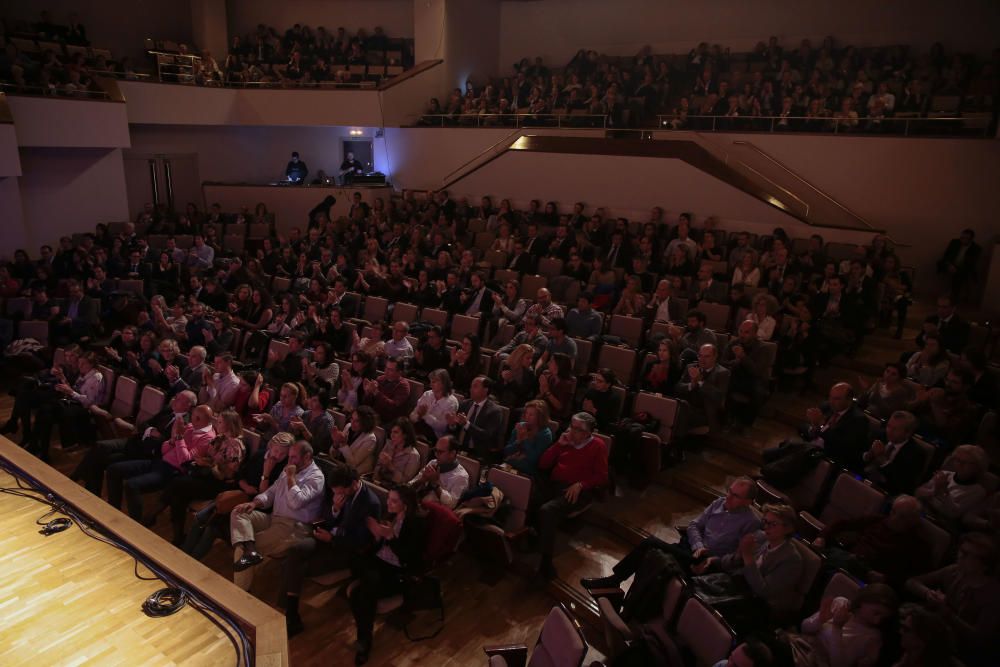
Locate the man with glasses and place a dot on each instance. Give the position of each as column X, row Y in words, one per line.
column 715, row 533
column 577, row 466
column 443, row 480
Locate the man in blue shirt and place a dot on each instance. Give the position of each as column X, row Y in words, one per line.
column 715, row 533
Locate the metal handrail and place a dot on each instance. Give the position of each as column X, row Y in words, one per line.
column 785, row 190
column 830, row 123
column 760, row 151
column 507, row 139
column 43, row 91
column 498, row 119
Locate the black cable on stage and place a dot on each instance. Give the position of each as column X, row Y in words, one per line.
column 232, row 630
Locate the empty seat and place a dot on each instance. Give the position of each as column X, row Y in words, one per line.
column 131, row 286
column 561, row 643
column 619, row 359
column 716, row 315
column 276, row 351
column 850, row 498
column 550, row 267
column 806, row 493
column 531, row 284
column 464, row 325
column 584, row 353
column 124, row 401
column 703, row 631
column 36, row 329
column 627, row 328
column 405, row 312
column 842, row 585
column 491, row 539
column 281, row 284
column 435, row 316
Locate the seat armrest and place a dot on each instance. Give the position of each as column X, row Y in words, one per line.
column 515, row 655
column 810, row 526
column 772, row 494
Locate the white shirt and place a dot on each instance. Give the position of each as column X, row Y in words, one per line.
column 453, row 484
column 222, row 391
column 89, row 389
column 437, row 411
column 663, row 312
column 303, row 502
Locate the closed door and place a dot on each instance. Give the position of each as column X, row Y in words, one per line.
column 171, row 180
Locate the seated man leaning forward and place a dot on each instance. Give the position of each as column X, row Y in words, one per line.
column 295, row 501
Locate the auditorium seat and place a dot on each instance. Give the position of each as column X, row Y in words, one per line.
column 850, row 498
column 702, row 630
column 561, row 643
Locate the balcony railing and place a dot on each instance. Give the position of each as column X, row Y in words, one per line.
column 54, row 91
column 974, row 124
column 568, row 120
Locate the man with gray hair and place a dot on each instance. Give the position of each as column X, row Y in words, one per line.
column 296, row 502
column 577, row 466
column 878, row 548
column 896, row 463
column 715, row 533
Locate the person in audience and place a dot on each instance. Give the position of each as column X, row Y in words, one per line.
column 337, row 541
column 583, row 321
column 509, row 307
column 751, row 653
column 748, row 363
column 432, row 354
column 967, row 595
column 896, row 465
column 544, row 308
column 443, row 480
column 661, row 372
column 531, row 334
column 947, row 416
column 704, row 385
column 959, row 263
column 556, row 385
column 399, row 460
column 716, row 532
column 985, row 385
column 430, row 415
column 769, row 563
column 696, row 335
column 951, row 494
column 517, row 377
column 316, row 425
column 838, row 427
column 843, row 632
column 479, row 421
column 389, row 394
column 399, row 544
column 762, row 314
column 929, row 365
column 287, row 408
column 577, row 468
column 352, row 391
column 356, row 443
column 924, row 638
column 295, row 502
column 466, row 362
column 529, row 439
column 705, row 288
column 187, row 442
column 878, row 547
column 952, row 328
column 71, row 411
column 888, row 394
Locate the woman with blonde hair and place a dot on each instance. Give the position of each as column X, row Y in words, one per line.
column 762, row 314
column 517, row 378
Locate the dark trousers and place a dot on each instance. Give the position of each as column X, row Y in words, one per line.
column 76, row 425
column 553, row 510
column 629, row 565
column 376, row 579
column 182, row 490
column 310, row 557
column 91, row 469
column 134, row 478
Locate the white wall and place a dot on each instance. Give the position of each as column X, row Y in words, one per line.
column 249, row 154
column 120, row 25
column 395, row 16
column 472, row 41
column 64, row 191
column 556, row 29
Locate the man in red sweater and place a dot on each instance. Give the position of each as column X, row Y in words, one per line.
column 577, row 465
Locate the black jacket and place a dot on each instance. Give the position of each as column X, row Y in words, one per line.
column 486, row 434
column 351, row 524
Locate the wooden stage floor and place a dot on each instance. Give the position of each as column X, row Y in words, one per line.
column 68, row 599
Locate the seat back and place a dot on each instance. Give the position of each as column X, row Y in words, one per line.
column 928, row 451
column 251, row 440
column 18, row 305
column 937, row 539
column 842, row 585
column 619, row 359
column 851, row 498
column 561, row 642
column 811, row 565
column 281, row 284
column 375, row 308
column 716, row 315
column 531, row 284
column 416, row 391
column 405, row 312
column 151, row 401
column 108, row 392
column 503, row 275
column 131, row 286
column 660, row 407
column 702, row 629
column 435, row 316
column 37, row 329
column 473, row 467
column 550, row 267
column 627, row 328
column 584, row 353
column 126, row 393
column 495, row 258
column 517, row 492
column 279, row 348
column 424, row 450
column 463, row 325
column 806, row 493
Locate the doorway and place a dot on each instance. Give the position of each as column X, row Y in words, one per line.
column 363, row 153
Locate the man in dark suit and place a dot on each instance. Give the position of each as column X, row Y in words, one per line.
column 288, row 369
column 81, row 317
column 135, row 268
column 840, row 428
column 535, row 245
column 706, row 288
column 478, row 299
column 897, row 463
column 953, row 329
column 618, row 253
column 339, row 538
column 144, row 444
column 704, row 385
column 520, row 260
column 661, row 307
column 960, row 259
column 478, row 425
column 563, row 242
